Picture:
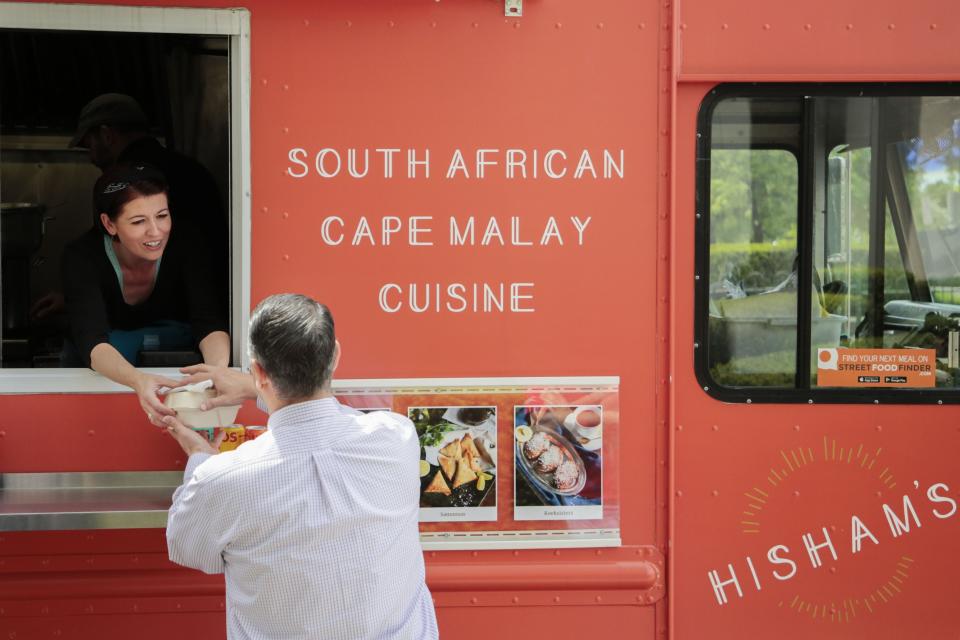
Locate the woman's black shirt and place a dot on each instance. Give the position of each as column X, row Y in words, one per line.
column 183, row 291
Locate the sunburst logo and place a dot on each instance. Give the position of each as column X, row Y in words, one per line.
column 797, row 459
column 849, row 607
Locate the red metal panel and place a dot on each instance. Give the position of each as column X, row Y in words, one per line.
column 818, row 40
column 447, row 75
column 77, row 578
column 143, row 626
column 750, row 477
column 340, row 76
column 569, row 74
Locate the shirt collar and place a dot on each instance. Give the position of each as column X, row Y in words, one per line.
column 317, row 420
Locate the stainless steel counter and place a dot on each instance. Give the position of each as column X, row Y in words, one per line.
column 61, row 501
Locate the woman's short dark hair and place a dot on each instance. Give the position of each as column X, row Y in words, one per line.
column 292, row 337
column 123, row 183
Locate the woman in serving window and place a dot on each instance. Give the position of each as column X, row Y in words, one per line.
column 132, row 283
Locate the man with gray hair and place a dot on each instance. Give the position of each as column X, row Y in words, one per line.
column 314, row 523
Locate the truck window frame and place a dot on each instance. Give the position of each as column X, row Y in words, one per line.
column 234, row 24
column 799, row 393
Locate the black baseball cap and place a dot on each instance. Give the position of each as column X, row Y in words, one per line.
column 109, row 109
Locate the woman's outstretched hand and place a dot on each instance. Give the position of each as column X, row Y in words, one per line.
column 147, row 386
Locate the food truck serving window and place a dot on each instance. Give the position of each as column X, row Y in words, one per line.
column 828, row 243
column 187, row 72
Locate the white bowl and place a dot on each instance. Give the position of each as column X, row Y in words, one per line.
column 187, row 406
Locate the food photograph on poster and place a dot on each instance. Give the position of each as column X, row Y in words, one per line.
column 557, row 458
column 458, row 462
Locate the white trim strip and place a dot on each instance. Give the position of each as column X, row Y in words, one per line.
column 30, row 381
column 466, row 385
column 520, row 539
column 85, row 17
column 33, row 381
column 240, row 190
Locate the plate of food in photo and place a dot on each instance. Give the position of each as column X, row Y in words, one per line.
column 550, row 460
column 459, row 477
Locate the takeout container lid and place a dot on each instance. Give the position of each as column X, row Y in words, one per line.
column 187, row 406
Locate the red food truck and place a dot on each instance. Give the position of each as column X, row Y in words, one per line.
column 702, row 252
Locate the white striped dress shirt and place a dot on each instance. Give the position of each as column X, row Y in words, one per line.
column 314, row 525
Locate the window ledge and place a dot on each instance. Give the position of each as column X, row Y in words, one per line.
column 66, row 381
column 47, row 381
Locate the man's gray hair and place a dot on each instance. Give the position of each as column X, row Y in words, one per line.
column 292, row 338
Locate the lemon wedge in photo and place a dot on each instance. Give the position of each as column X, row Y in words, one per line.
column 424, row 468
column 523, row 434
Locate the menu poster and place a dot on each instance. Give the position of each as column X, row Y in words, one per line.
column 476, row 491
column 558, row 470
column 458, row 462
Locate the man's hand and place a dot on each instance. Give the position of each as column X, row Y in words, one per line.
column 189, row 440
column 233, row 387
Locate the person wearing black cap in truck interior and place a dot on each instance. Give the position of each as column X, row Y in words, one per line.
column 114, row 129
column 137, row 282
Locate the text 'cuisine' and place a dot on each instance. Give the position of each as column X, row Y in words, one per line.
column 510, row 164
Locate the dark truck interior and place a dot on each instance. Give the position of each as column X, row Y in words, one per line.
column 182, row 83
